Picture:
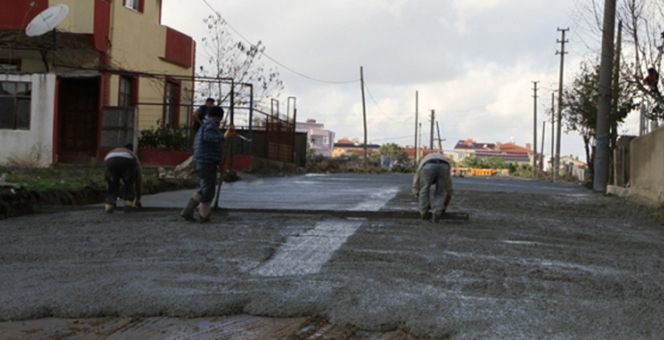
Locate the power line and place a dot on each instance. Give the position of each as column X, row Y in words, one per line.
column 290, row 69
column 373, row 99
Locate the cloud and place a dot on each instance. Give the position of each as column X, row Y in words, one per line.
column 472, row 60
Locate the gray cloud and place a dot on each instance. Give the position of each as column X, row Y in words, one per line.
column 472, row 60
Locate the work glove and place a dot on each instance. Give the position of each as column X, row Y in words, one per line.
column 230, row 132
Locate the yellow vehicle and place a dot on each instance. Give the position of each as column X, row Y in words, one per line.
column 483, row 172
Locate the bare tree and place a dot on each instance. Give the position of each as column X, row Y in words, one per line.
column 227, row 57
column 643, row 25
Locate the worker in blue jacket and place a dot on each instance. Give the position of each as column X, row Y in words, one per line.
column 208, row 155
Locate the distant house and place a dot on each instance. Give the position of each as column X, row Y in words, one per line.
column 411, row 151
column 573, row 167
column 469, row 148
column 319, row 139
column 109, row 66
column 346, row 148
column 509, row 152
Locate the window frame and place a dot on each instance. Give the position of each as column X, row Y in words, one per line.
column 132, row 95
column 172, row 119
column 138, row 5
column 16, row 99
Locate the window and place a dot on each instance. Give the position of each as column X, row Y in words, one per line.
column 15, row 98
column 127, row 92
column 136, row 5
column 172, row 105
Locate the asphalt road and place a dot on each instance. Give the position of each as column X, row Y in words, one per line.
column 534, row 261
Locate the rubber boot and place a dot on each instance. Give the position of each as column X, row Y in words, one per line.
column 188, row 212
column 436, row 216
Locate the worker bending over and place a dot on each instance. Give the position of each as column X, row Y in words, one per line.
column 433, row 170
column 208, row 154
column 122, row 165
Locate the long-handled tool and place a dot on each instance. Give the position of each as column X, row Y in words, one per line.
column 223, row 167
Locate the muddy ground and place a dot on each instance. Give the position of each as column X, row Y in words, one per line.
column 532, row 262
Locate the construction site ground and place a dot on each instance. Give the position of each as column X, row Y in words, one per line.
column 535, row 260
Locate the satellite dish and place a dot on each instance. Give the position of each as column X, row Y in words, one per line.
column 47, row 20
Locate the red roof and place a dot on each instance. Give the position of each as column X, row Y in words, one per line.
column 513, row 148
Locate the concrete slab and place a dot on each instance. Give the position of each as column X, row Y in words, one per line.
column 535, row 261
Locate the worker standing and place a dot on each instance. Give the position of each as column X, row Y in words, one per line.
column 433, row 170
column 122, row 165
column 201, row 113
column 208, row 155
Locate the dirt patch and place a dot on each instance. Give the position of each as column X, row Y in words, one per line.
column 232, row 327
column 18, row 202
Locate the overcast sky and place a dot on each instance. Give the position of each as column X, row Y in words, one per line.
column 473, row 61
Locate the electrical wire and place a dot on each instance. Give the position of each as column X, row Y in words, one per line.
column 373, row 99
column 274, row 60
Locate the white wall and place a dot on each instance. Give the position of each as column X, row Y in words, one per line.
column 32, row 147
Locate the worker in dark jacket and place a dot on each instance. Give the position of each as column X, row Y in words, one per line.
column 201, row 113
column 122, row 165
column 208, row 154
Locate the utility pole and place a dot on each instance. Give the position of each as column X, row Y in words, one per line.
column 601, row 178
column 535, row 169
column 562, row 53
column 553, row 130
column 417, row 122
column 541, row 161
column 615, row 102
column 364, row 115
column 440, row 140
column 433, row 121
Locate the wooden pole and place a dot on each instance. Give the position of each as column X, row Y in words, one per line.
column 364, row 116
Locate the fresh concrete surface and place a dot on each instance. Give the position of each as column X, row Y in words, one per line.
column 534, row 261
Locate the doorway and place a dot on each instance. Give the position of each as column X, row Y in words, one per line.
column 78, row 111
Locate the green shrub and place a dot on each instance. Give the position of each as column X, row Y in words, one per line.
column 165, row 138
column 404, row 168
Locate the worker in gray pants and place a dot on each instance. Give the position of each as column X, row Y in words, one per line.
column 432, row 186
column 122, row 166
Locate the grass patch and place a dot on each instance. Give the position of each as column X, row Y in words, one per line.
column 66, row 178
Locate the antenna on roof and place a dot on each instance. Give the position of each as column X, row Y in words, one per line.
column 47, row 20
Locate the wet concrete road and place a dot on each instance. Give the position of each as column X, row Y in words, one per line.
column 343, row 191
column 534, row 261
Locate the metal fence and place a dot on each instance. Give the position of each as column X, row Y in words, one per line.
column 264, row 132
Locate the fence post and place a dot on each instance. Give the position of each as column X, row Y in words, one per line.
column 249, row 149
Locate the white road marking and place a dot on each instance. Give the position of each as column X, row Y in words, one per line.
column 377, row 200
column 307, row 253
